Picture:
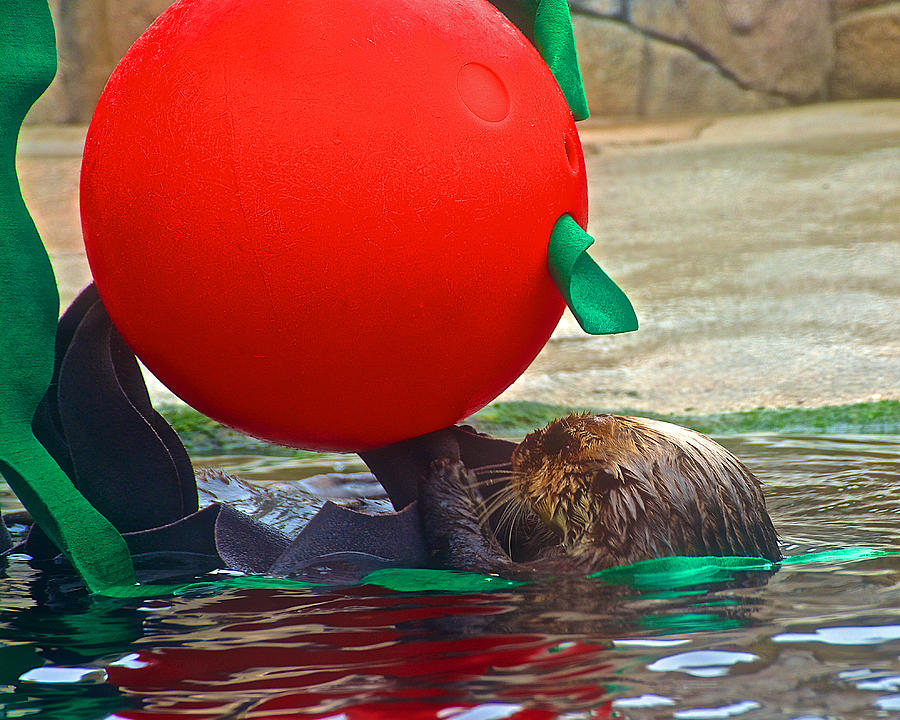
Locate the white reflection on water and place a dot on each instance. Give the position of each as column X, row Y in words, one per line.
column 647, row 700
column 726, row 711
column 702, row 663
column 888, row 702
column 132, row 660
column 889, row 684
column 487, row 711
column 651, row 642
column 844, row 635
column 52, row 675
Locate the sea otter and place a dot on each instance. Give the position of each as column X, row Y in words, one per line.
column 589, row 492
column 586, row 492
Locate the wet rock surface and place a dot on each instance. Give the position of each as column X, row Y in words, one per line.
column 760, row 253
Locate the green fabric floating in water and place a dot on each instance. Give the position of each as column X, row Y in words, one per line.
column 30, row 302
column 837, row 556
column 424, row 580
column 416, row 580
column 662, row 574
column 242, row 582
column 676, row 572
column 597, row 302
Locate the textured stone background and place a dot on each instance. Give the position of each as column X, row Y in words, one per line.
column 665, row 57
column 639, row 57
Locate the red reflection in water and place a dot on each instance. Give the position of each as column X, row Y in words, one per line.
column 360, row 658
column 378, row 711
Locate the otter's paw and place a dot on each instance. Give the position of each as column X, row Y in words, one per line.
column 451, row 509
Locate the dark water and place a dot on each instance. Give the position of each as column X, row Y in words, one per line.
column 818, row 640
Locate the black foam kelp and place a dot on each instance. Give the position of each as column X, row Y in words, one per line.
column 97, row 421
column 30, row 304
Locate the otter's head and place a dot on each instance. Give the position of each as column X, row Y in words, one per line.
column 619, row 489
column 560, row 471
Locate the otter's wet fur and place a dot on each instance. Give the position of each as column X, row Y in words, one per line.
column 588, row 492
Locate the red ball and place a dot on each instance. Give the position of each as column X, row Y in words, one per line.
column 326, row 223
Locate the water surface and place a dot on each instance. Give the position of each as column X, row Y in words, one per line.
column 815, row 640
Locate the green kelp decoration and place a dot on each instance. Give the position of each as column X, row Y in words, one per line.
column 679, row 572
column 597, row 302
column 406, row 580
column 424, row 580
column 30, row 303
column 548, row 25
column 555, row 39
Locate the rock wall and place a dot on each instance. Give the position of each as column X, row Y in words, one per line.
column 638, row 57
column 91, row 37
column 669, row 57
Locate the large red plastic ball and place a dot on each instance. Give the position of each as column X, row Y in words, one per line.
column 326, row 223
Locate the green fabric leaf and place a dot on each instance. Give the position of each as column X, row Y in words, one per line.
column 424, row 580
column 664, row 577
column 841, row 555
column 415, row 580
column 30, row 302
column 555, row 40
column 676, row 572
column 548, row 26
column 597, row 302
column 238, row 582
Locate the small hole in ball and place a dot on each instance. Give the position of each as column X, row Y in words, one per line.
column 571, row 145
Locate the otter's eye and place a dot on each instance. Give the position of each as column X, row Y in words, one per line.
column 555, row 439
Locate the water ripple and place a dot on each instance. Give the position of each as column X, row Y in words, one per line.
column 702, row 663
column 725, row 711
column 844, row 635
